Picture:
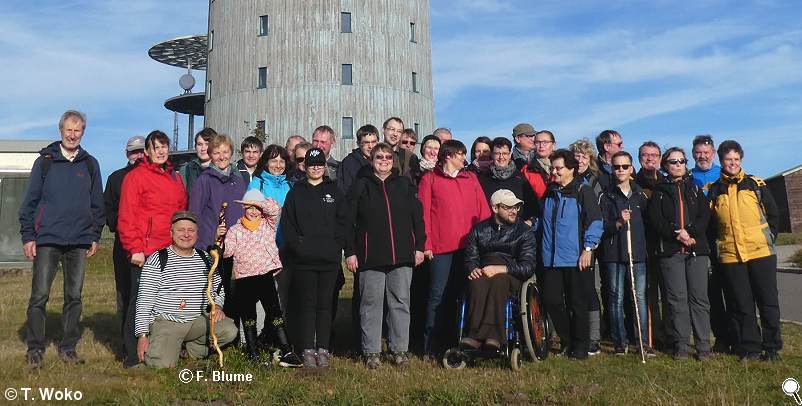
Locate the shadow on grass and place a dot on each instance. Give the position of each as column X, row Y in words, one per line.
column 106, row 329
column 54, row 331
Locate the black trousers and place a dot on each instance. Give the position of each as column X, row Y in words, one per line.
column 129, row 338
column 260, row 288
column 487, row 298
column 755, row 282
column 122, row 284
column 314, row 292
column 566, row 300
column 720, row 306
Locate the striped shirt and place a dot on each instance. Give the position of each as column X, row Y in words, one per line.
column 177, row 294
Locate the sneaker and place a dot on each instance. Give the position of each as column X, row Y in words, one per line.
column 70, row 357
column 372, row 361
column 310, row 360
column 594, row 349
column 749, row 356
column 621, row 350
column 323, row 358
column 34, row 359
column 649, row 352
column 770, row 356
column 290, row 360
column 401, row 359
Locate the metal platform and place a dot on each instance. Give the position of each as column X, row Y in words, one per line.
column 190, row 103
column 182, row 52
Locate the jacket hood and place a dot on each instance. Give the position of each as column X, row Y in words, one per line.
column 270, row 179
column 146, row 162
column 729, row 179
column 54, row 150
column 571, row 189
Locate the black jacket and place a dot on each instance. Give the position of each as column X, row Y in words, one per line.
column 648, row 182
column 349, row 168
column 243, row 171
column 605, row 178
column 613, row 247
column 111, row 196
column 491, row 243
column 518, row 185
column 386, row 219
column 313, row 225
column 668, row 200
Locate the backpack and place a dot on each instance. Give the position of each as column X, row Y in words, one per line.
column 47, row 161
column 206, row 260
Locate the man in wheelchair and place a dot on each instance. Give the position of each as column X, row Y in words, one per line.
column 500, row 255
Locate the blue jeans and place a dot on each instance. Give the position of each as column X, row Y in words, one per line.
column 45, row 264
column 447, row 279
column 617, row 283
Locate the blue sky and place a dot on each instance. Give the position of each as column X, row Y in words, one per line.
column 660, row 70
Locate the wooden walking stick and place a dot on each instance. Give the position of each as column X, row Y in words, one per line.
column 634, row 292
column 214, row 252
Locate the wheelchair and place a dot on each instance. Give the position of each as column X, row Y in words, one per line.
column 526, row 327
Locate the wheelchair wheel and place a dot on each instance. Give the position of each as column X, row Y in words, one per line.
column 534, row 322
column 454, row 358
column 516, row 359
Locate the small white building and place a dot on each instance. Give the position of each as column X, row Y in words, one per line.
column 16, row 160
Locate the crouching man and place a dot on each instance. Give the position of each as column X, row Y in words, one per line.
column 500, row 255
column 171, row 303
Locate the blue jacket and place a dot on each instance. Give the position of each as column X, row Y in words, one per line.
column 703, row 178
column 272, row 187
column 614, row 242
column 65, row 207
column 570, row 221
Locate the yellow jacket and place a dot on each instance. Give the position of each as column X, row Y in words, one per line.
column 746, row 216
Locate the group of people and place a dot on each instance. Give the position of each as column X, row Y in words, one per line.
column 289, row 220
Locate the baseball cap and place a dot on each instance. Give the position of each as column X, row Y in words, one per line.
column 505, row 197
column 134, row 143
column 315, row 157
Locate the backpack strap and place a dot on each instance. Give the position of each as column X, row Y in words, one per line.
column 205, row 257
column 162, row 259
column 760, row 183
column 47, row 160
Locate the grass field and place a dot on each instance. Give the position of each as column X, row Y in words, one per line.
column 604, row 379
column 789, row 238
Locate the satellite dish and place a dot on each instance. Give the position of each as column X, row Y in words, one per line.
column 187, row 82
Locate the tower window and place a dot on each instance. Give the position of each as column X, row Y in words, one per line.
column 415, row 82
column 345, row 22
column 262, row 82
column 209, row 91
column 417, row 129
column 347, row 78
column 412, row 37
column 263, row 26
column 348, row 128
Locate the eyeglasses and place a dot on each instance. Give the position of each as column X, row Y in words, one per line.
column 517, row 207
column 383, row 157
column 618, row 144
column 557, row 168
column 542, row 143
column 369, row 142
column 624, row 167
column 650, row 155
column 677, row 161
column 406, row 142
column 300, row 159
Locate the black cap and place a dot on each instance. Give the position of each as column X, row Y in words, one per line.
column 315, row 157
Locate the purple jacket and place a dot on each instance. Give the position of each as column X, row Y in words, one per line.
column 206, row 199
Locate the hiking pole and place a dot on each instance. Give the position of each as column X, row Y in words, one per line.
column 634, row 291
column 214, row 252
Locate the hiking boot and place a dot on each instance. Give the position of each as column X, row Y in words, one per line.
column 372, row 361
column 770, row 356
column 323, row 356
column 749, row 356
column 70, row 357
column 290, row 360
column 310, row 361
column 594, row 349
column 649, row 352
column 401, row 359
column 34, row 359
column 251, row 340
column 721, row 347
column 621, row 350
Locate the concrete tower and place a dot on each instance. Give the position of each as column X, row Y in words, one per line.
column 292, row 65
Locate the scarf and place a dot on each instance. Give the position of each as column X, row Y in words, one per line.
column 545, row 163
column 226, row 172
column 251, row 225
column 504, row 172
column 427, row 165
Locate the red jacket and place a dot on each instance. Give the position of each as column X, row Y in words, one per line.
column 451, row 206
column 537, row 177
column 148, row 200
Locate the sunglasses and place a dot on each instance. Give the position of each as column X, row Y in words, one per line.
column 383, row 157
column 677, row 161
column 624, row 167
column 300, row 159
column 408, row 142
